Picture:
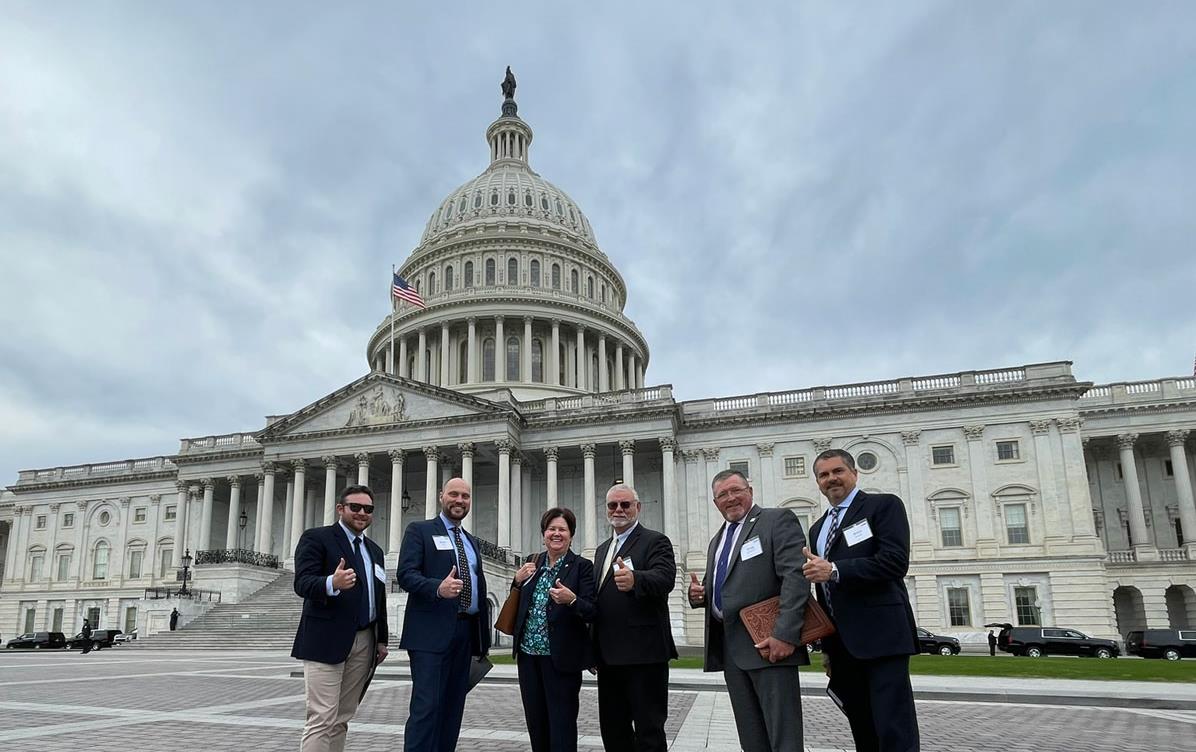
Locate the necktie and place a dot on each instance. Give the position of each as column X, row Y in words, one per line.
column 830, row 536
column 464, row 597
column 363, row 586
column 610, row 558
column 720, row 570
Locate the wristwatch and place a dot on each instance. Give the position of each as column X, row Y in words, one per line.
column 834, row 572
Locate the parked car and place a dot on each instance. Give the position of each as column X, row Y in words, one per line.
column 100, row 638
column 1039, row 641
column 38, row 641
column 1171, row 644
column 126, row 637
column 928, row 642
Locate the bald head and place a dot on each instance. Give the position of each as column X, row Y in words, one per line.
column 455, row 499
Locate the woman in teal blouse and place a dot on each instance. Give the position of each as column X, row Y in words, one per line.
column 552, row 639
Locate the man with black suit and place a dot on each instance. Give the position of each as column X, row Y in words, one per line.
column 757, row 554
column 862, row 547
column 447, row 619
column 633, row 640
column 343, row 635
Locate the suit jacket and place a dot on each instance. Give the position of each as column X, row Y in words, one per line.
column 776, row 570
column 429, row 620
column 869, row 603
column 633, row 628
column 568, row 626
column 329, row 623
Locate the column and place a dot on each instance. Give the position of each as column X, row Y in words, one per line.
column 986, row 515
column 588, row 496
column 18, row 542
column 630, row 369
column 668, row 477
column 265, row 516
column 764, row 482
column 500, row 351
column 1133, row 494
column 81, row 537
column 260, row 479
column 1183, row 488
column 580, row 381
column 444, row 357
column 555, row 354
column 695, row 505
column 628, row 449
column 397, row 458
column 10, row 553
column 516, row 502
column 639, row 375
column 205, row 519
column 466, row 449
column 421, row 357
column 504, row 492
column 433, row 457
column 603, row 379
column 363, row 468
column 471, row 370
column 234, row 513
column 298, row 512
column 620, row 375
column 713, row 519
column 403, row 358
column 329, row 489
column 919, row 531
column 1058, row 527
column 526, row 351
column 1075, row 474
column 180, row 524
column 390, row 359
column 288, row 517
column 550, row 453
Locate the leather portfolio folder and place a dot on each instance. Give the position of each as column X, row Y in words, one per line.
column 759, row 619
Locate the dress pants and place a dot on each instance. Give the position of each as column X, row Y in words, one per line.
column 550, row 703
column 877, row 698
column 333, row 691
column 439, row 682
column 766, row 703
column 633, row 704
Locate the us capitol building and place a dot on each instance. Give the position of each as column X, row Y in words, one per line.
column 1034, row 498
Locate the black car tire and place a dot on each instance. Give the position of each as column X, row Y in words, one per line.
column 1103, row 653
column 1171, row 654
column 1034, row 651
column 945, row 650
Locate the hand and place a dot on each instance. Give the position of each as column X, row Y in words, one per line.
column 816, row 568
column 561, row 594
column 624, row 576
column 343, row 579
column 525, row 572
column 450, row 587
column 697, row 593
column 773, row 649
column 383, row 651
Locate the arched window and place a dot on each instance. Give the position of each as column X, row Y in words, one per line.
column 543, row 202
column 556, row 276
column 489, row 271
column 411, row 374
column 560, row 365
column 461, row 206
column 537, row 361
column 527, row 199
column 535, row 273
column 590, row 288
column 511, row 197
column 99, row 561
column 559, row 211
column 431, row 283
column 574, row 283
column 593, row 381
column 512, row 359
column 604, row 292
column 477, row 200
column 512, row 271
column 468, row 281
column 448, row 278
column 488, row 359
column 463, row 362
column 433, row 374
column 494, row 197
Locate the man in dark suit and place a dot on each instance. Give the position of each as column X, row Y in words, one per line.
column 862, row 547
column 756, row 554
column 633, row 641
column 447, row 619
column 343, row 634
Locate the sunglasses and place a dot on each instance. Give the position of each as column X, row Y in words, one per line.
column 359, row 508
column 613, row 505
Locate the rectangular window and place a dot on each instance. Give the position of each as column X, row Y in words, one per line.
column 36, row 562
column 795, row 467
column 99, row 566
column 1168, row 469
column 136, row 557
column 168, row 515
column 165, row 558
column 740, row 466
column 30, row 615
column 949, row 523
column 1024, row 599
column 130, row 619
column 139, row 514
column 41, row 522
column 68, row 519
column 64, row 567
column 1007, row 451
column 1120, row 472
column 56, row 622
column 958, row 611
column 1179, row 532
column 1015, row 524
column 942, row 455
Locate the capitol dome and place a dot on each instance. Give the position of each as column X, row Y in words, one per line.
column 519, row 297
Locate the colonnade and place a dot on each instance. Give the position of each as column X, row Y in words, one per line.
column 1136, row 510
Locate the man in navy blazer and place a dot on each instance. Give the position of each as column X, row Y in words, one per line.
column 859, row 564
column 343, row 634
column 447, row 619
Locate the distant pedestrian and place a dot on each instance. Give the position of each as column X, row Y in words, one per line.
column 86, row 636
column 992, row 643
column 174, row 619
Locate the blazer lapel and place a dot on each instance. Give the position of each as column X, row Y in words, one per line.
column 343, row 541
column 749, row 522
column 853, row 513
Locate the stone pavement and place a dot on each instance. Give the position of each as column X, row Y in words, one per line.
column 159, row 700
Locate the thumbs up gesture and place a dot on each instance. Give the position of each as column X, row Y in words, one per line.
column 450, row 586
column 624, row 576
column 561, row 594
column 697, row 593
column 343, row 578
column 816, row 568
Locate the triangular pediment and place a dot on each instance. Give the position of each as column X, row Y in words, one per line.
column 379, row 401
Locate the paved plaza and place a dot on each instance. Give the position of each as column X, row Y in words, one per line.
column 129, row 700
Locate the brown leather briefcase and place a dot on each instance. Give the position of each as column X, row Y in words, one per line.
column 759, row 619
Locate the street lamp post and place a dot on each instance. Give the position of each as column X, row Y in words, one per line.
column 242, row 521
column 405, row 500
column 185, row 574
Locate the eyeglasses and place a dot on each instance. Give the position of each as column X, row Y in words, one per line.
column 727, row 493
column 359, row 508
column 613, row 505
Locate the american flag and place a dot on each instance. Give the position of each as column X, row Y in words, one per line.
column 404, row 291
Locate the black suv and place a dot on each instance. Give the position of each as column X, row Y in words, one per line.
column 929, row 642
column 100, row 638
column 1039, row 641
column 1171, row 644
column 38, row 641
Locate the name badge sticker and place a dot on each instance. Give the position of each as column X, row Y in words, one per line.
column 442, row 543
column 751, row 548
column 626, row 562
column 380, row 573
column 857, row 533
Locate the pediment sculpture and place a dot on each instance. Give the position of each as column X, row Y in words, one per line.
column 377, row 408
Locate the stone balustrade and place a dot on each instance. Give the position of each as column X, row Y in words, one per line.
column 228, row 442
column 662, row 394
column 96, row 470
column 1139, row 391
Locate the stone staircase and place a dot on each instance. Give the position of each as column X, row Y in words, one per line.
column 266, row 620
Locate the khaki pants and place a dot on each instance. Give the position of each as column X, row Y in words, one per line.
column 333, row 690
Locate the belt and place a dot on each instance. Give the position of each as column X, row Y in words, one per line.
column 463, row 615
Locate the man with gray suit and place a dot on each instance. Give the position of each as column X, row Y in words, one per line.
column 756, row 554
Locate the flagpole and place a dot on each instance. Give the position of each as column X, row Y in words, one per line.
column 394, row 367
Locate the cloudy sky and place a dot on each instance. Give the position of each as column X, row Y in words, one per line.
column 200, row 203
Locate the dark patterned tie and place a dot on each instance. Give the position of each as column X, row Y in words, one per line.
column 363, row 586
column 463, row 573
column 830, row 539
column 720, row 570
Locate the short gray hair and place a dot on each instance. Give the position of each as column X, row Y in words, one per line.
column 831, row 454
column 724, row 474
column 622, row 487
